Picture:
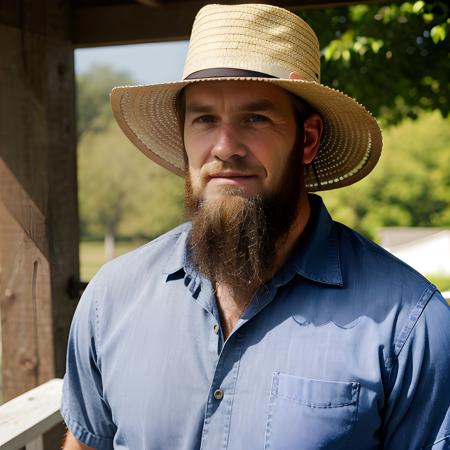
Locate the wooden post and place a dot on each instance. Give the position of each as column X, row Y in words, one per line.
column 27, row 325
column 38, row 203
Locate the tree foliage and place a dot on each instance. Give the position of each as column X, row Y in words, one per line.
column 93, row 88
column 392, row 58
column 410, row 185
column 122, row 192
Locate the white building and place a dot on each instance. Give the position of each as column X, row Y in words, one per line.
column 425, row 249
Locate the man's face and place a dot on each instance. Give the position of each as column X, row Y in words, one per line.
column 238, row 138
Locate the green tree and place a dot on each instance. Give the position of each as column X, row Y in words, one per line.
column 93, row 88
column 393, row 58
column 121, row 193
column 409, row 187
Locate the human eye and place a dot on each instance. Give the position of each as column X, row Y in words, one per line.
column 257, row 118
column 205, row 119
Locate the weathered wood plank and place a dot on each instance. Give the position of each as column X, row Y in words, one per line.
column 62, row 211
column 25, row 418
column 22, row 208
column 138, row 23
column 171, row 20
column 25, row 302
column 36, row 444
column 31, row 16
column 38, row 205
column 23, row 136
column 25, row 309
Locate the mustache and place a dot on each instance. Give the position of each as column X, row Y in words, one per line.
column 239, row 165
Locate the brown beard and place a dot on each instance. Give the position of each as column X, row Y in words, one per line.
column 234, row 239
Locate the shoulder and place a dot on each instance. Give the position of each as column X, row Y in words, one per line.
column 390, row 288
column 162, row 245
column 374, row 264
column 156, row 255
column 122, row 279
column 120, row 285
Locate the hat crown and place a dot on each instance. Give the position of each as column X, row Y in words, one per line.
column 256, row 37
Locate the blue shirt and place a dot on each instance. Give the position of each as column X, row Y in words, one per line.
column 345, row 348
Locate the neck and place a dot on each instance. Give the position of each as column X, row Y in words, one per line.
column 287, row 243
column 232, row 304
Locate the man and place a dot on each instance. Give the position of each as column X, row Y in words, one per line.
column 261, row 323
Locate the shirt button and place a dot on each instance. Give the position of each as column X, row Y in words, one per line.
column 218, row 394
column 216, row 328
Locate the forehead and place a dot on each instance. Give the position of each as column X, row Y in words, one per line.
column 237, row 93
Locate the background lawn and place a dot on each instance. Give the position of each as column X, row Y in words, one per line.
column 92, row 255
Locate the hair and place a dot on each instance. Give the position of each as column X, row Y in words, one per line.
column 180, row 109
column 302, row 110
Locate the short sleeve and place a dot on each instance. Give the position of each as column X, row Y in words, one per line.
column 417, row 412
column 84, row 408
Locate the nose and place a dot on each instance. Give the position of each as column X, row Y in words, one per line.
column 228, row 144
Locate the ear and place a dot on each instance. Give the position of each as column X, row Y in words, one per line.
column 312, row 131
column 295, row 76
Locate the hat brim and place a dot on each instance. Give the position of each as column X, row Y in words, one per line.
column 350, row 145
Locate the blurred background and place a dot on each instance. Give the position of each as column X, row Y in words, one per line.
column 392, row 58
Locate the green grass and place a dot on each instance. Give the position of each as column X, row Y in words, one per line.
column 92, row 256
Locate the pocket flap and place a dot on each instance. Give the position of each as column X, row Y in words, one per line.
column 315, row 393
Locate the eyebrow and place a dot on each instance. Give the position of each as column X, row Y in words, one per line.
column 255, row 105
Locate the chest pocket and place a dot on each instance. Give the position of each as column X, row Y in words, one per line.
column 310, row 414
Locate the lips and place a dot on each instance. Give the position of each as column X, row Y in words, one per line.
column 237, row 179
column 230, row 175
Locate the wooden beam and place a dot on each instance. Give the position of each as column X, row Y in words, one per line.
column 21, row 207
column 131, row 24
column 38, row 201
column 171, row 20
column 151, row 3
column 31, row 16
column 25, row 310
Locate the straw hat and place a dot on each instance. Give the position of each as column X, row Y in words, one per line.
column 264, row 44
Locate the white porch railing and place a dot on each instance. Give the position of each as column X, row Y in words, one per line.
column 24, row 419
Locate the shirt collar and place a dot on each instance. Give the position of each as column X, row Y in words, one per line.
column 178, row 256
column 316, row 256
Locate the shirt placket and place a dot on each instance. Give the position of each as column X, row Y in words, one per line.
column 216, row 425
column 225, row 360
column 219, row 405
